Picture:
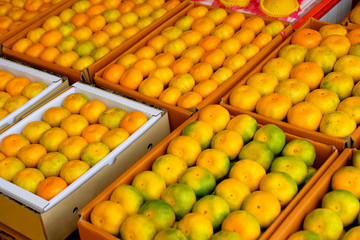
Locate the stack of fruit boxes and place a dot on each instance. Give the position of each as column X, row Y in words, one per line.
column 54, row 83
column 325, row 155
column 87, row 73
column 215, row 96
column 340, row 143
column 313, row 198
column 37, row 218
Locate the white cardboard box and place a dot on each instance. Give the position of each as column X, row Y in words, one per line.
column 54, row 85
column 37, row 218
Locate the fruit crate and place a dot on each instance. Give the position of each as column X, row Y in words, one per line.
column 54, row 83
column 346, row 21
column 340, row 143
column 7, row 233
column 293, row 222
column 213, row 97
column 29, row 22
column 37, row 218
column 87, row 73
column 325, row 155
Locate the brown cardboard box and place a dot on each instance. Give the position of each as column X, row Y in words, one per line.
column 325, row 155
column 86, row 74
column 36, row 218
column 340, row 143
column 212, row 98
column 293, row 222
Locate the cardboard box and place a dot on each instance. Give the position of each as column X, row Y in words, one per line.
column 54, row 83
column 340, row 143
column 31, row 21
column 325, row 155
column 37, row 218
column 86, row 74
column 212, row 98
column 293, row 222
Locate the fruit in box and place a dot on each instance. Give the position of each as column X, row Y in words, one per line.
column 205, row 44
column 338, row 209
column 52, row 153
column 88, row 30
column 323, row 61
column 245, row 200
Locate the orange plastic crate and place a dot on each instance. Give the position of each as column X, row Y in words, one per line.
column 325, row 155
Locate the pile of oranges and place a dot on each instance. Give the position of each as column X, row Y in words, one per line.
column 14, row 13
column 219, row 176
column 89, row 30
column 313, row 82
column 51, row 153
column 15, row 91
column 187, row 61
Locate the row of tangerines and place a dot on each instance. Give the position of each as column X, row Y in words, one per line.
column 53, row 152
column 15, row 91
column 88, row 30
column 222, row 175
column 16, row 12
column 313, row 82
column 187, row 61
column 337, row 215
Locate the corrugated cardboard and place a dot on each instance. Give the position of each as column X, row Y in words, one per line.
column 325, row 155
column 339, row 143
column 293, row 222
column 86, row 74
column 37, row 218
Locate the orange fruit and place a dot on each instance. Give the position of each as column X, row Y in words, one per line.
column 11, row 144
column 113, row 73
column 185, row 82
column 66, row 59
column 96, row 23
column 95, row 9
column 82, row 33
column 307, row 37
column 354, row 36
column 235, row 62
column 214, row 57
column 191, row 37
column 151, row 87
column 5, row 77
column 158, row 42
column 35, row 50
column 249, row 50
column 114, row 137
column 80, row 19
column 21, row 45
column 164, row 59
column 326, row 100
column 33, row 130
column 197, row 12
column 175, row 47
column 308, row 72
column 131, row 78
column 234, row 19
column 129, row 32
column 338, row 43
column 127, row 60
column 94, row 152
column 185, row 147
column 295, row 89
column 51, row 38
column 28, row 179
column 330, row 29
column 73, row 169
column 209, row 42
column 31, row 154
column 201, row 71
column 337, row 124
column 171, row 32
column 350, row 106
column 145, row 52
column 52, row 138
column 9, row 166
column 306, row 115
column 345, row 179
column 4, row 96
column 145, row 65
column 194, row 52
column 274, row 105
column 32, row 5
column 265, row 83
column 262, row 39
column 15, row 86
column 143, row 9
column 205, row 87
column 181, row 65
column 94, row 132
column 111, row 117
column 230, row 46
column 244, row 97
column 72, row 147
column 217, row 116
column 229, row 141
column 165, row 74
column 255, row 23
column 223, row 31
column 280, row 67
column 49, row 54
column 133, row 121
column 126, row 6
column 170, row 95
column 74, row 124
column 92, row 110
column 74, row 101
column 204, row 25
column 14, row 103
column 245, row 36
column 244, row 223
column 50, row 187
column 189, row 99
